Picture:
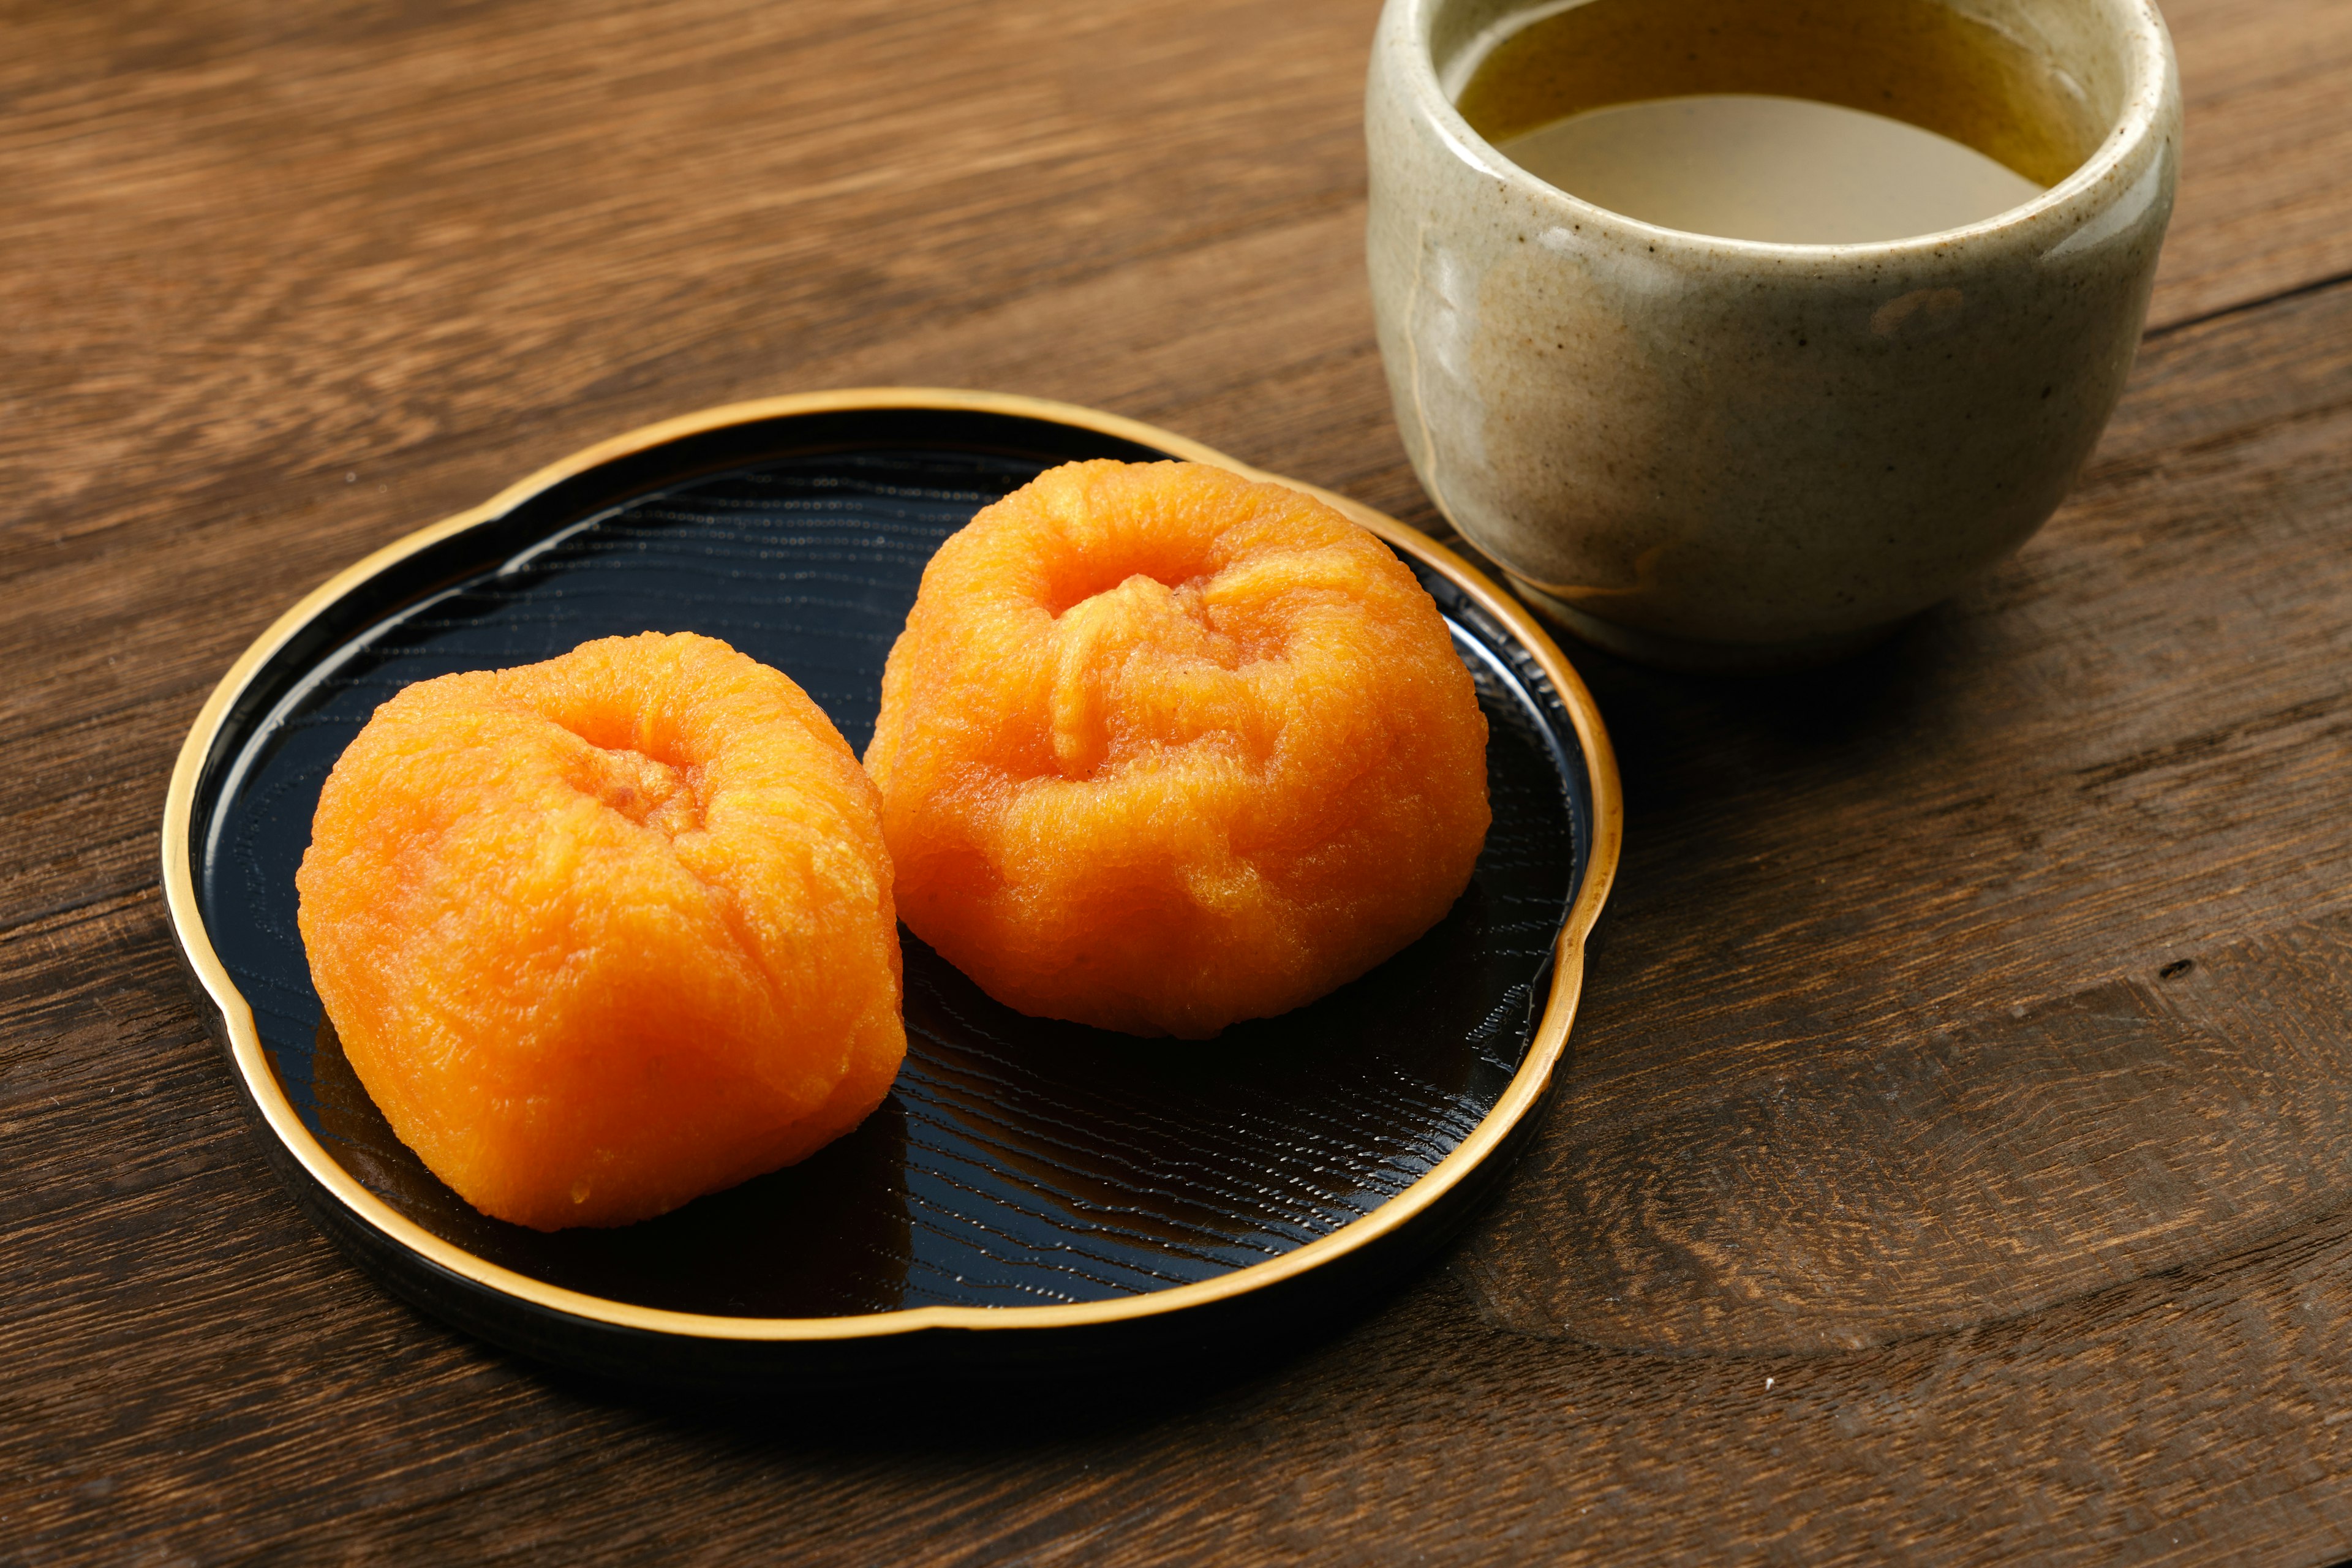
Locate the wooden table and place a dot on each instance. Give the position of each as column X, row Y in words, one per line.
column 1957, row 1157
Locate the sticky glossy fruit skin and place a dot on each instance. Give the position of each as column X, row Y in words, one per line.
column 1161, row 749
column 605, row 933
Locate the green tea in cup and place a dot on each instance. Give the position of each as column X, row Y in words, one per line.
column 1823, row 122
column 1737, row 332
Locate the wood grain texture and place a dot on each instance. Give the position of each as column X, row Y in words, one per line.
column 2264, row 193
column 1948, row 1219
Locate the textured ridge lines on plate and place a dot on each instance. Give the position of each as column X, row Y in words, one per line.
column 1015, row 1162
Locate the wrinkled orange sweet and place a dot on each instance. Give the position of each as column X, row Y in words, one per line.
column 602, row 935
column 1161, row 749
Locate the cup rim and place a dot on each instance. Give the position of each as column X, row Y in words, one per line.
column 2150, row 90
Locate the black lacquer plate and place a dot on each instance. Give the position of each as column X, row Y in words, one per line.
column 1031, row 1194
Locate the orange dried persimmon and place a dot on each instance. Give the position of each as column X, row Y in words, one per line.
column 1161, row 749
column 605, row 933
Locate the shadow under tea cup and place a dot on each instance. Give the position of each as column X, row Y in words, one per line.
column 1724, row 453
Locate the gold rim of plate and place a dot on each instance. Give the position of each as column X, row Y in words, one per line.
column 1533, row 1074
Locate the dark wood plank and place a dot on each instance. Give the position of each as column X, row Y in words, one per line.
column 1906, row 1199
column 2263, row 201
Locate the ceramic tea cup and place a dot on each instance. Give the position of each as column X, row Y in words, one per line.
column 1724, row 454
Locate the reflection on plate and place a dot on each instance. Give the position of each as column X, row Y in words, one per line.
column 1031, row 1193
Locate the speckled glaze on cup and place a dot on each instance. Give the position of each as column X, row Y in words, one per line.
column 1722, row 453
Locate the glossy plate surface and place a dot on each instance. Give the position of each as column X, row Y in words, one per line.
column 1021, row 1173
